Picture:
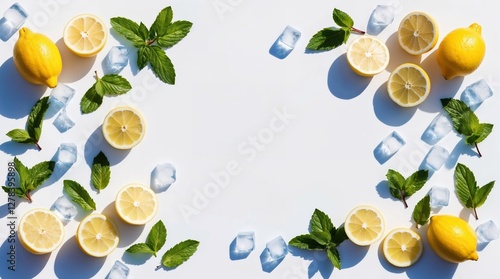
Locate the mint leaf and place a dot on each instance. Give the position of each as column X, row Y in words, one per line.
column 320, row 222
column 342, row 19
column 140, row 248
column 180, row 253
column 175, row 32
column 422, row 211
column 112, row 84
column 129, row 29
column 157, row 237
column 327, row 39
column 334, row 257
column 161, row 65
column 101, row 171
column 143, row 54
column 79, row 195
column 143, row 32
column 20, row 136
column 31, row 179
column 401, row 188
column 323, row 238
column 33, row 126
column 339, row 235
column 468, row 192
column 306, row 242
column 162, row 21
column 91, row 100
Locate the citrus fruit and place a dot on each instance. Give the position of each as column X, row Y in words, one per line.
column 136, row 204
column 37, row 58
column 97, row 235
column 418, row 33
column 85, row 35
column 452, row 238
column 367, row 55
column 408, row 85
column 364, row 225
column 461, row 51
column 123, row 127
column 402, row 247
column 40, row 231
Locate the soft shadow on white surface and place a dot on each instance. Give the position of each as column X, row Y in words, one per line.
column 70, row 73
column 71, row 262
column 389, row 112
column 129, row 234
column 398, row 55
column 351, row 254
column 342, row 82
column 14, row 149
column 319, row 262
column 27, row 265
column 96, row 143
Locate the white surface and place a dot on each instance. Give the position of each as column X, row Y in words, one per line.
column 258, row 142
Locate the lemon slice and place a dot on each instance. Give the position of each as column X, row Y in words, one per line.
column 123, row 127
column 136, row 204
column 97, row 235
column 367, row 55
column 85, row 35
column 408, row 85
column 402, row 247
column 40, row 231
column 364, row 225
column 418, row 33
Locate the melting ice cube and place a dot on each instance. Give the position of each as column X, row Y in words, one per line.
column 476, row 93
column 60, row 97
column 487, row 232
column 439, row 127
column 13, row 18
column 439, row 196
column 116, row 59
column 63, row 122
column 277, row 248
column 64, row 208
column 381, row 16
column 245, row 242
column 118, row 271
column 389, row 146
column 436, row 157
column 67, row 154
column 285, row 43
column 162, row 177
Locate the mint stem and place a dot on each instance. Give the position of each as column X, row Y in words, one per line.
column 403, row 198
column 475, row 214
column 158, row 267
column 38, row 146
column 150, row 42
column 96, row 75
column 357, row 31
column 477, row 149
column 28, row 197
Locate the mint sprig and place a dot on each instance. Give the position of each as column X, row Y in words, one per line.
column 469, row 193
column 466, row 123
column 30, row 178
column 100, row 172
column 150, row 43
column 401, row 188
column 33, row 126
column 110, row 84
column 154, row 241
column 79, row 195
column 180, row 253
column 323, row 236
column 332, row 37
column 422, row 211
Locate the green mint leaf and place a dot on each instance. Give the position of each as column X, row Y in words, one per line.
column 161, row 65
column 91, row 100
column 100, row 171
column 306, row 242
column 20, row 136
column 143, row 32
column 327, row 39
column 175, row 32
column 483, row 131
column 143, row 54
column 157, row 237
column 401, row 188
column 422, row 211
column 23, row 173
column 129, row 29
column 342, row 19
column 320, row 222
column 140, row 248
column 339, row 236
column 113, row 85
column 396, row 183
column 163, row 19
column 482, row 193
column 18, row 191
column 180, row 253
column 79, row 195
column 39, row 173
column 35, row 118
column 415, row 182
column 323, row 238
column 334, row 257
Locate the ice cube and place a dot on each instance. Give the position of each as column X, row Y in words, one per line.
column 476, row 93
column 439, row 127
column 118, row 271
column 163, row 176
column 439, row 196
column 487, row 232
column 245, row 242
column 63, row 122
column 67, row 154
column 381, row 16
column 60, row 97
column 116, row 59
column 64, row 208
column 436, row 157
column 389, row 146
column 277, row 248
column 285, row 42
column 13, row 18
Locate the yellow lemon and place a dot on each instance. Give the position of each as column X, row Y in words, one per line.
column 461, row 51
column 40, row 231
column 124, row 127
column 136, row 204
column 418, row 33
column 97, row 235
column 408, row 85
column 85, row 35
column 402, row 247
column 367, row 55
column 364, row 225
column 452, row 238
column 37, row 58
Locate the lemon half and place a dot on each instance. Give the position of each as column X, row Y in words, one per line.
column 364, row 225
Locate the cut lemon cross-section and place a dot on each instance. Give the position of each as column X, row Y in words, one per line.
column 367, row 55
column 418, row 33
column 364, row 225
column 402, row 247
column 408, row 85
column 97, row 235
column 40, row 231
column 123, row 127
column 85, row 35
column 136, row 204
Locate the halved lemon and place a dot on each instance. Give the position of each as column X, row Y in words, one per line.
column 124, row 127
column 40, row 231
column 418, row 33
column 367, row 55
column 85, row 35
column 408, row 85
column 136, row 204
column 402, row 247
column 97, row 235
column 364, row 225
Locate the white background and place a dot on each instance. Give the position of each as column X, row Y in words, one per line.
column 224, row 111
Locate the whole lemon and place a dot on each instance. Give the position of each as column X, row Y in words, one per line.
column 452, row 238
column 461, row 51
column 37, row 58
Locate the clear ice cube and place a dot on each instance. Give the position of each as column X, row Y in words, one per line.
column 118, row 271
column 436, row 157
column 60, row 97
column 439, row 196
column 63, row 122
column 163, row 176
column 439, row 127
column 381, row 17
column 285, row 42
column 13, row 18
column 64, row 208
column 389, row 146
column 476, row 93
column 67, row 154
column 277, row 248
column 245, row 242
column 116, row 59
column 487, row 232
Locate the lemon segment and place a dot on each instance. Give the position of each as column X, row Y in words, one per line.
column 364, row 225
column 367, row 55
column 124, row 127
column 97, row 235
column 418, row 33
column 85, row 35
column 136, row 204
column 40, row 231
column 402, row 247
column 408, row 85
